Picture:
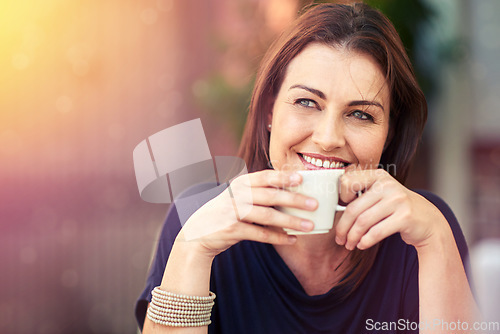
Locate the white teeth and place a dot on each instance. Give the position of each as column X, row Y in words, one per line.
column 325, row 164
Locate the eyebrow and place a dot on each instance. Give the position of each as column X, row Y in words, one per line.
column 322, row 95
column 365, row 103
column 309, row 89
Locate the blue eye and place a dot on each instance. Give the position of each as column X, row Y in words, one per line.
column 362, row 115
column 306, row 103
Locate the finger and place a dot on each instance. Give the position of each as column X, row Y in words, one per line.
column 275, row 179
column 271, row 217
column 379, row 232
column 241, row 188
column 285, row 198
column 263, row 234
column 353, row 182
column 353, row 210
column 367, row 220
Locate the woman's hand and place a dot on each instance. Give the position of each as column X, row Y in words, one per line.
column 385, row 207
column 245, row 212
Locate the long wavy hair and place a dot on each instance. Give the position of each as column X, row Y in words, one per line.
column 362, row 29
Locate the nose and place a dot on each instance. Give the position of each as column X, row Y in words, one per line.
column 329, row 132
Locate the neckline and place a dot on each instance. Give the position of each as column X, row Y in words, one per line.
column 285, row 279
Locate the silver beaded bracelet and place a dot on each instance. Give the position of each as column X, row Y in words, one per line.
column 171, row 309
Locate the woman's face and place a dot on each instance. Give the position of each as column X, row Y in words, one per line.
column 332, row 110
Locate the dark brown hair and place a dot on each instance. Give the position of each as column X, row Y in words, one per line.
column 359, row 28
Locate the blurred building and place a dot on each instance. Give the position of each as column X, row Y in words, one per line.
column 465, row 123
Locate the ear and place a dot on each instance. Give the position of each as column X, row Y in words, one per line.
column 269, row 120
column 269, row 107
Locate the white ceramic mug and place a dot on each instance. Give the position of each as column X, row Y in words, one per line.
column 323, row 185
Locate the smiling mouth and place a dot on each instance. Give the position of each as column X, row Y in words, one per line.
column 316, row 163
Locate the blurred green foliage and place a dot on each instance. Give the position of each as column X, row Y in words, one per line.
column 408, row 17
column 226, row 102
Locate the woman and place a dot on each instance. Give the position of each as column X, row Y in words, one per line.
column 336, row 89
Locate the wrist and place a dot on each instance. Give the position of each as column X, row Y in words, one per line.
column 439, row 242
column 193, row 249
column 188, row 269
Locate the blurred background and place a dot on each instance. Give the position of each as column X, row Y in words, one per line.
column 82, row 82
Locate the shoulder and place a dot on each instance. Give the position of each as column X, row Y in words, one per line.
column 439, row 203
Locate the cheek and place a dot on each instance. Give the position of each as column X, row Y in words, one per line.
column 368, row 149
column 286, row 132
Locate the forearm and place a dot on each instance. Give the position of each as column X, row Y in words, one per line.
column 445, row 295
column 187, row 272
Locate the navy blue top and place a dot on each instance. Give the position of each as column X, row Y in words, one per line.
column 258, row 293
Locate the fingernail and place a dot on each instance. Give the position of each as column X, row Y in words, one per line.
column 349, row 246
column 311, row 203
column 292, row 239
column 306, row 225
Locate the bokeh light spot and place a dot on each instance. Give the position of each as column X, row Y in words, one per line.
column 20, row 61
column 79, row 56
column 279, row 13
column 28, row 255
column 64, row 104
column 149, row 16
column 164, row 5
